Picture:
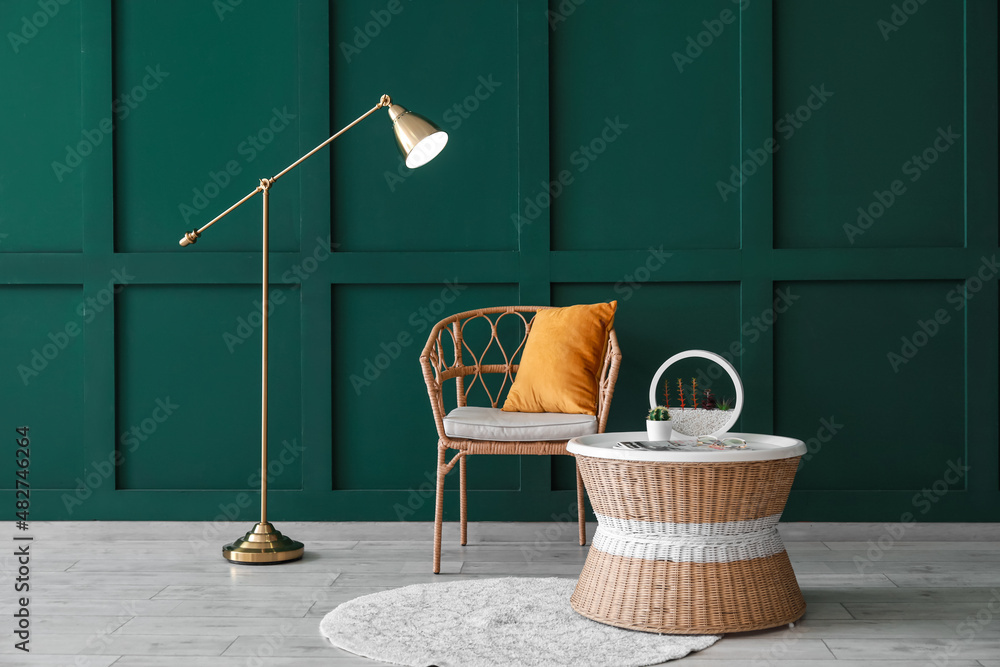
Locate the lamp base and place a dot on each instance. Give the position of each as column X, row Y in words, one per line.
column 263, row 545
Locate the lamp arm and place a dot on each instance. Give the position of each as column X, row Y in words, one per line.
column 192, row 236
column 265, row 183
column 385, row 101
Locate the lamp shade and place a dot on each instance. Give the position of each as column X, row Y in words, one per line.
column 419, row 139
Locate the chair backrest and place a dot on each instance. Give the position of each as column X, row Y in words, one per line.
column 469, row 359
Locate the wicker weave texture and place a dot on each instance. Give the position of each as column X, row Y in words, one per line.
column 687, row 492
column 677, row 547
column 688, row 598
column 688, row 530
column 449, row 355
column 685, row 548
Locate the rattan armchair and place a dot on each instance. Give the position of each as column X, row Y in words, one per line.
column 467, row 368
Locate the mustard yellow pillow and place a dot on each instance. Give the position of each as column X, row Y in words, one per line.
column 562, row 360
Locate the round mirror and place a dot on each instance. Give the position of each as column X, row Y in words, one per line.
column 701, row 400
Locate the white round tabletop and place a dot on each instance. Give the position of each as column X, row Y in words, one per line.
column 759, row 447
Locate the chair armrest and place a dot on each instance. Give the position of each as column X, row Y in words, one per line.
column 606, row 386
column 433, row 365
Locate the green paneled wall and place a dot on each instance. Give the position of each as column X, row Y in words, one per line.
column 42, row 151
column 703, row 163
column 882, row 104
column 455, row 63
column 44, row 360
column 230, row 91
column 627, row 119
column 168, row 337
column 912, row 413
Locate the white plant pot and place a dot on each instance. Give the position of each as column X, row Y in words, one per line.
column 658, row 430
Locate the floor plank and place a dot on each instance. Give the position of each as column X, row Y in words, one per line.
column 761, row 650
column 164, row 579
column 184, row 592
column 923, row 545
column 883, row 594
column 229, row 661
column 696, row 660
column 940, row 532
column 284, row 646
column 926, row 651
column 914, row 610
column 50, row 660
column 245, row 609
column 916, row 556
column 218, row 626
column 47, row 607
column 327, row 660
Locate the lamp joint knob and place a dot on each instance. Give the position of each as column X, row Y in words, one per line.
column 190, row 237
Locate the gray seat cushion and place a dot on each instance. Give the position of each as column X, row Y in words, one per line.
column 473, row 423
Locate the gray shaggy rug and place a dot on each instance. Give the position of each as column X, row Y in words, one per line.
column 515, row 622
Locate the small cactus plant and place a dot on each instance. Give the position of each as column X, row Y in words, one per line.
column 658, row 414
column 724, row 404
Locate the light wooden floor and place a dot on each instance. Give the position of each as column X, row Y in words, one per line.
column 144, row 594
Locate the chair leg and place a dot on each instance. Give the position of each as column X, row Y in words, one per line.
column 439, row 509
column 464, row 502
column 580, row 506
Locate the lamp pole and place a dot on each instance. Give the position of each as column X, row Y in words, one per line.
column 420, row 141
column 266, row 185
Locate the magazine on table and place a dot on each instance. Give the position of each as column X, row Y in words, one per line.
column 683, row 445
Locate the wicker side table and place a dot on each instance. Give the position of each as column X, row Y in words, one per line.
column 687, row 542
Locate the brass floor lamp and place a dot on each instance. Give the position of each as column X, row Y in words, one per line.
column 419, row 141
